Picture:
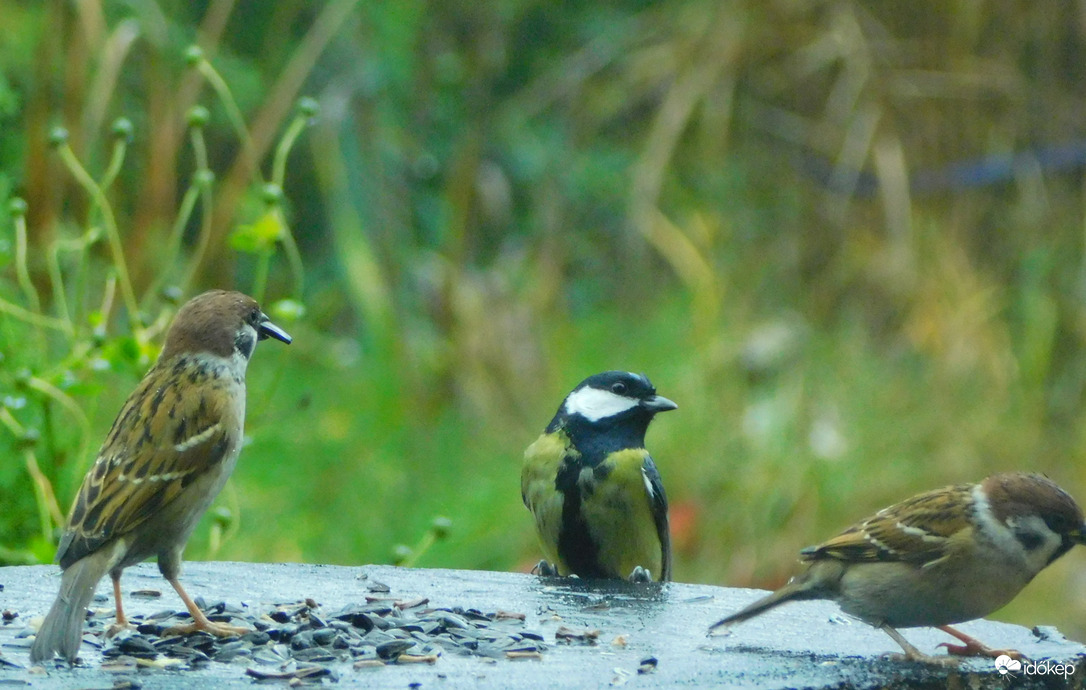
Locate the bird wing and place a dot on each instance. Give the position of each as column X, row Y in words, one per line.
column 542, row 462
column 160, row 444
column 918, row 530
column 658, row 498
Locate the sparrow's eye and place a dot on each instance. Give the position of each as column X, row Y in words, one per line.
column 618, row 388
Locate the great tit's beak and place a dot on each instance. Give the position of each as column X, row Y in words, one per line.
column 658, row 403
column 267, row 329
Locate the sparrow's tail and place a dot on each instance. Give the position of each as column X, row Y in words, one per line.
column 806, row 585
column 62, row 630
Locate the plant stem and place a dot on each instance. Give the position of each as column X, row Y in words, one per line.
column 22, row 271
column 87, row 182
column 282, row 150
column 116, row 160
column 39, row 320
column 233, row 112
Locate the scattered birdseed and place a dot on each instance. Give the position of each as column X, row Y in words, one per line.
column 302, row 673
column 648, row 665
column 301, row 642
column 5, row 663
column 416, row 659
column 1048, row 633
column 622, row 676
column 584, row 635
column 146, row 593
column 412, row 603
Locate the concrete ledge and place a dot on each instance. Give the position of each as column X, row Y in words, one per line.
column 808, row 644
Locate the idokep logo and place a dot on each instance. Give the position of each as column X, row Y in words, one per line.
column 1008, row 667
column 1004, row 664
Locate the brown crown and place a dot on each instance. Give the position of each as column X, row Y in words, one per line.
column 209, row 323
column 1019, row 494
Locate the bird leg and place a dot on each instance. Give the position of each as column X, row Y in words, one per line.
column 121, row 621
column 973, row 646
column 914, row 654
column 199, row 620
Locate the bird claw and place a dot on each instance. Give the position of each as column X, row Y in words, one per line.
column 977, row 648
column 117, row 628
column 639, row 574
column 974, row 647
column 217, row 629
column 545, row 569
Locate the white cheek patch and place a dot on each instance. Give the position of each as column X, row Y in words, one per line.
column 594, row 404
column 1003, row 536
column 1047, row 540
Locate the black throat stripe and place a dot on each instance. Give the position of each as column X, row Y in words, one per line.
column 576, row 546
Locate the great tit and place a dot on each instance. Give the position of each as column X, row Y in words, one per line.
column 597, row 498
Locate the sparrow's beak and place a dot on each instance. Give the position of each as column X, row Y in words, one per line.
column 267, row 329
column 1079, row 535
column 658, row 403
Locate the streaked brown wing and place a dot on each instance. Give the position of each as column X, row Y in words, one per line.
column 916, row 530
column 159, row 445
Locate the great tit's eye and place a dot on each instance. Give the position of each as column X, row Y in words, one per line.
column 618, row 388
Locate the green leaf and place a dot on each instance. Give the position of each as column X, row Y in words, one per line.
column 259, row 237
column 288, row 310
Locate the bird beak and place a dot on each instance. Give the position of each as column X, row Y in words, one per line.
column 658, row 403
column 267, row 329
column 1079, row 535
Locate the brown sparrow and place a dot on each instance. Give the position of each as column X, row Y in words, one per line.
column 942, row 557
column 168, row 454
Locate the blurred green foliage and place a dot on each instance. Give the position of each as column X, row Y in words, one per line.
column 846, row 238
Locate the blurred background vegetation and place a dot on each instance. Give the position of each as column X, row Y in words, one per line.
column 848, row 239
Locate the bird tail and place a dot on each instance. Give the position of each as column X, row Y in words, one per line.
column 62, row 631
column 799, row 588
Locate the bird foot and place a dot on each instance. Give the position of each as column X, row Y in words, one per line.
column 977, row 648
column 974, row 647
column 545, row 569
column 914, row 654
column 639, row 574
column 217, row 629
column 117, row 628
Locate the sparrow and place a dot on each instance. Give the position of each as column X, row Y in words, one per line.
column 596, row 495
column 169, row 452
column 939, row 558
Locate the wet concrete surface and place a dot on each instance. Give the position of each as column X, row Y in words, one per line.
column 801, row 645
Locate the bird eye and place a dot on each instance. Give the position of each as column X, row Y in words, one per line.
column 618, row 388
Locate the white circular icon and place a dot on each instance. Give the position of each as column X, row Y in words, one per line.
column 1004, row 664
